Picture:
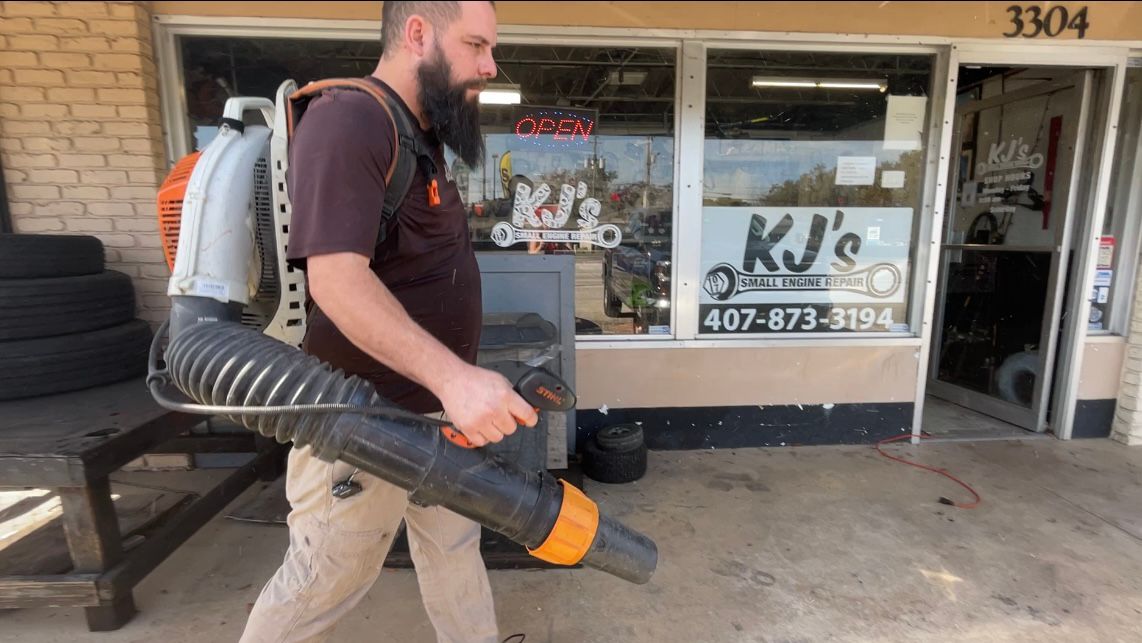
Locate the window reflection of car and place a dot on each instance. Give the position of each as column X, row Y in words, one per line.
column 636, row 274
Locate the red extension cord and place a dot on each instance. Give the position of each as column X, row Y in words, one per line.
column 943, row 500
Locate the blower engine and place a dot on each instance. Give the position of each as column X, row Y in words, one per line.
column 237, row 319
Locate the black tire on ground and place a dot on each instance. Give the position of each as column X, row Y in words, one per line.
column 1015, row 378
column 33, row 308
column 614, row 467
column 33, row 256
column 74, row 362
column 620, row 437
column 612, row 305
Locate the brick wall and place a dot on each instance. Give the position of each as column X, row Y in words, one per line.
column 1127, row 426
column 80, row 131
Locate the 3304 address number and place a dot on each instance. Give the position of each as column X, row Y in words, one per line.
column 1031, row 21
column 791, row 318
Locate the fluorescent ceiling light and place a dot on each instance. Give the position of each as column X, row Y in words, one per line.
column 763, row 81
column 626, row 77
column 822, row 83
column 501, row 95
column 852, row 85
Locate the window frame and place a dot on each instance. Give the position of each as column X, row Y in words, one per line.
column 1127, row 233
column 178, row 141
column 931, row 201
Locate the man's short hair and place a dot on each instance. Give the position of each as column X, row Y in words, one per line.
column 394, row 14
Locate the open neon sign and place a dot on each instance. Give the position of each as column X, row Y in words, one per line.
column 555, row 128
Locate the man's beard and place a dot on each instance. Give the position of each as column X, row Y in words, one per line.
column 455, row 119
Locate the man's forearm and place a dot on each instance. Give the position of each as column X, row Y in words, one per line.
column 480, row 403
column 368, row 314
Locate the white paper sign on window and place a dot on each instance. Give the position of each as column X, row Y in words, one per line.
column 904, row 122
column 856, row 170
column 892, row 179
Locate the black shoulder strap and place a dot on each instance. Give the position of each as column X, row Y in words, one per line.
column 409, row 147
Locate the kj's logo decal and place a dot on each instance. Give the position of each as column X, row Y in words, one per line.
column 546, row 221
column 1009, row 155
column 725, row 281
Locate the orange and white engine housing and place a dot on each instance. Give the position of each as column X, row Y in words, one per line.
column 224, row 215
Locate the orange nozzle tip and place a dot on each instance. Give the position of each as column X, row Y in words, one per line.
column 574, row 531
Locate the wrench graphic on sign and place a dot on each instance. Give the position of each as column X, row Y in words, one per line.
column 724, row 281
column 605, row 236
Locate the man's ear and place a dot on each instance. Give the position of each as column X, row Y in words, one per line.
column 417, row 35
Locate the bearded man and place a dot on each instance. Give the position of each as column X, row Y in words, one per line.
column 401, row 309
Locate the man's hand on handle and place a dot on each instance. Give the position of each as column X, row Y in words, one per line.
column 482, row 405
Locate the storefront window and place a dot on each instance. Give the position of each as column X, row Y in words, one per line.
column 581, row 162
column 584, row 165
column 1124, row 208
column 813, row 180
column 215, row 69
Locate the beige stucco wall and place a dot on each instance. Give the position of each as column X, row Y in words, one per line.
column 1102, row 368
column 665, row 377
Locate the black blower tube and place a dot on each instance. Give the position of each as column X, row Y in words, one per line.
column 225, row 363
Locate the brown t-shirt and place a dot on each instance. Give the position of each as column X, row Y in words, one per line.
column 340, row 153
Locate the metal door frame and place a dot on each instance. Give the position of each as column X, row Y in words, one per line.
column 1095, row 195
column 1033, row 418
column 1113, row 61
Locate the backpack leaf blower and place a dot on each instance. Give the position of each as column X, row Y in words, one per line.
column 237, row 319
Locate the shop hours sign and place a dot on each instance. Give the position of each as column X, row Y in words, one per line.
column 804, row 270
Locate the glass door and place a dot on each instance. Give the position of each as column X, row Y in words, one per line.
column 1002, row 264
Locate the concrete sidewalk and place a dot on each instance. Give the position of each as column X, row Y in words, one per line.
column 783, row 544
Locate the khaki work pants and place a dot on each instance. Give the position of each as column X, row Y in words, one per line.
column 337, row 549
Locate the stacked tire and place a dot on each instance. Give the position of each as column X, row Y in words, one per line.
column 616, row 454
column 66, row 322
